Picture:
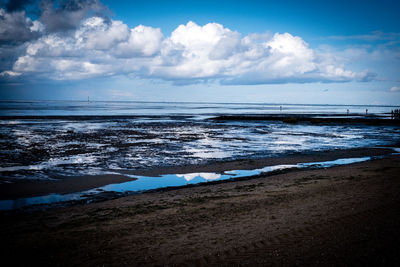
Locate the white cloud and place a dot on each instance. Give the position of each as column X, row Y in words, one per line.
column 141, row 41
column 395, row 89
column 8, row 73
column 96, row 34
column 192, row 53
column 196, row 52
column 205, row 175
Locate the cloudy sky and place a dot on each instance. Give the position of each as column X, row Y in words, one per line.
column 333, row 52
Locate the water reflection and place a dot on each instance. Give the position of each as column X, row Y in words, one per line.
column 208, row 176
column 144, row 183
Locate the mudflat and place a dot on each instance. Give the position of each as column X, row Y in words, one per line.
column 345, row 215
column 70, row 184
column 30, row 188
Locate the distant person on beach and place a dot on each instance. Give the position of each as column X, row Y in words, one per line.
column 347, row 111
column 280, row 108
column 366, row 112
column 395, row 114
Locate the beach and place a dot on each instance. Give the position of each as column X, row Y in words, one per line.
column 344, row 215
column 172, row 184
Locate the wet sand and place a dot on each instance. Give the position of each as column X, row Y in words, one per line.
column 341, row 216
column 372, row 119
column 71, row 184
column 65, row 185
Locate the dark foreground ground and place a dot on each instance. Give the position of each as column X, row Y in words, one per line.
column 342, row 216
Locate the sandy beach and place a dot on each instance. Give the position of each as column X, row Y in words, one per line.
column 345, row 215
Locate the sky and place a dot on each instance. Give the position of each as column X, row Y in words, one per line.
column 314, row 52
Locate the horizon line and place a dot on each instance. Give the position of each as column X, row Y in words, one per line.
column 196, row 102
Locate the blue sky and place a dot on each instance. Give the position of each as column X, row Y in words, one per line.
column 330, row 52
column 305, row 18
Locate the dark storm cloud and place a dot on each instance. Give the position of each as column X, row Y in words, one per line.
column 16, row 28
column 68, row 14
column 9, row 54
column 55, row 15
column 17, row 5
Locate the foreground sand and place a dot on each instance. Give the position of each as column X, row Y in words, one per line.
column 347, row 215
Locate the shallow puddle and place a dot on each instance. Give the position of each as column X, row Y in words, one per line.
column 144, row 183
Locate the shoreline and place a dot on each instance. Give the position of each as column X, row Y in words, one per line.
column 65, row 185
column 260, row 162
column 344, row 215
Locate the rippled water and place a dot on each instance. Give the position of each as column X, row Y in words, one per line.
column 160, row 134
column 46, row 149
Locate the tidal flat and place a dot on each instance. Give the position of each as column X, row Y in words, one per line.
column 133, row 184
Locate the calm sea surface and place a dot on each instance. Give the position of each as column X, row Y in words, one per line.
column 29, row 108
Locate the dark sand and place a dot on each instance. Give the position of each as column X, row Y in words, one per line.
column 341, row 216
column 315, row 118
column 71, row 184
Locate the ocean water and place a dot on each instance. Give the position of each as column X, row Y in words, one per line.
column 71, row 108
column 113, row 136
